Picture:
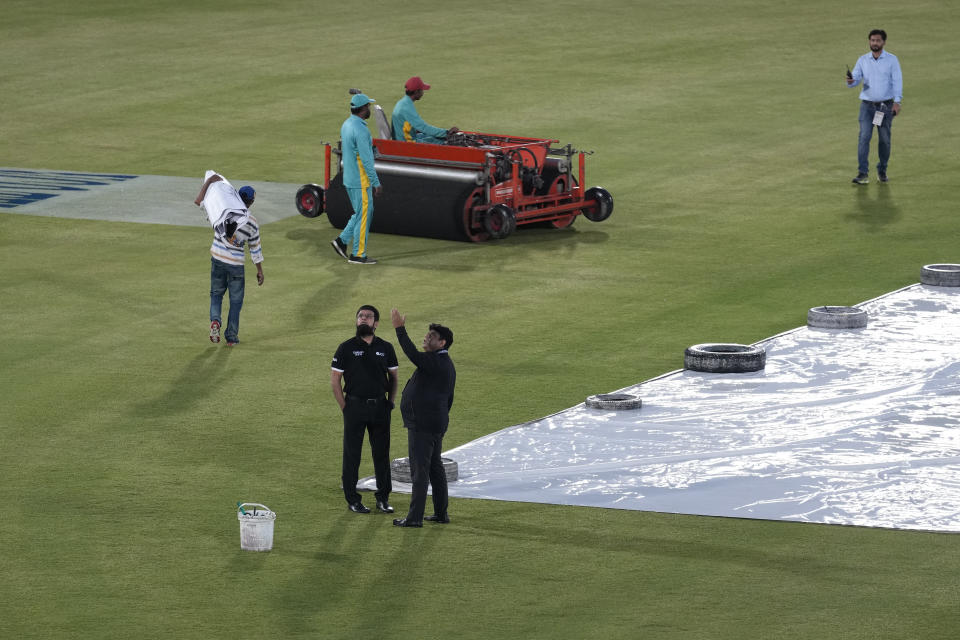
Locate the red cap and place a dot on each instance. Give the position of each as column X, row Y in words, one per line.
column 415, row 83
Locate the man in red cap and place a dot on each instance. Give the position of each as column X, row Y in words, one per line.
column 407, row 123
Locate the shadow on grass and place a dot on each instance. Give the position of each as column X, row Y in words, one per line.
column 531, row 239
column 450, row 256
column 317, row 238
column 201, row 378
column 765, row 548
column 368, row 555
column 875, row 208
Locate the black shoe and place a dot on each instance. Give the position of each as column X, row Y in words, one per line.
column 361, row 260
column 384, row 507
column 438, row 519
column 403, row 522
column 340, row 247
column 357, row 507
column 883, row 177
column 860, row 179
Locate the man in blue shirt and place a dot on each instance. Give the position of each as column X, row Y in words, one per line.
column 407, row 123
column 360, row 179
column 879, row 72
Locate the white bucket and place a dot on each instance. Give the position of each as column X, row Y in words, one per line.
column 256, row 526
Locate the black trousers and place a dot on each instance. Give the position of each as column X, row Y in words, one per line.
column 426, row 466
column 360, row 416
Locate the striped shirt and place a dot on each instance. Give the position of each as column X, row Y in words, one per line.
column 232, row 252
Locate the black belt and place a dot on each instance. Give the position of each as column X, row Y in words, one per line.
column 364, row 400
column 877, row 104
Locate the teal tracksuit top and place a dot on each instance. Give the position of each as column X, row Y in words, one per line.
column 409, row 126
column 356, row 144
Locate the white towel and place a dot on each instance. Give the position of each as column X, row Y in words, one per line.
column 223, row 204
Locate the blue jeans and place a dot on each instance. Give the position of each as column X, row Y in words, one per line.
column 867, row 109
column 225, row 276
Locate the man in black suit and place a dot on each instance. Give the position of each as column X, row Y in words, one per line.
column 425, row 407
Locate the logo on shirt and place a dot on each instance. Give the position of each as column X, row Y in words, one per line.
column 381, row 354
column 358, row 353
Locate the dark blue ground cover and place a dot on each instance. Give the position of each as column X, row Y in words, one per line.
column 23, row 186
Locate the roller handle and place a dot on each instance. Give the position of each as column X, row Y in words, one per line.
column 241, row 505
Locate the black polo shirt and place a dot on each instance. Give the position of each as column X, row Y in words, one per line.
column 365, row 366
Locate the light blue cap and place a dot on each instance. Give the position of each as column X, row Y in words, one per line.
column 360, row 100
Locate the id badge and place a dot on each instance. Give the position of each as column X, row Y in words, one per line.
column 878, row 118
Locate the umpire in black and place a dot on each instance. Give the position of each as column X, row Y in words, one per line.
column 425, row 407
column 364, row 381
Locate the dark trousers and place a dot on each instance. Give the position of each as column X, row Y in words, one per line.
column 360, row 416
column 426, row 466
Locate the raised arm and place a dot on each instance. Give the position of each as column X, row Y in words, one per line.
column 203, row 190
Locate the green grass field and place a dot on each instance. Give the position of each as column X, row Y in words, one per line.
column 728, row 141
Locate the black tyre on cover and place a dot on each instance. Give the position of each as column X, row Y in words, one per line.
column 614, row 401
column 724, row 358
column 941, row 275
column 836, row 318
column 400, row 469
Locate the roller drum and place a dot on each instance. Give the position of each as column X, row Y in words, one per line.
column 421, row 201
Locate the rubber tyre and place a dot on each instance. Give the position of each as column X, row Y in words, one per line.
column 941, row 275
column 614, row 401
column 837, row 318
column 604, row 204
column 500, row 221
column 724, row 358
column 400, row 470
column 310, row 200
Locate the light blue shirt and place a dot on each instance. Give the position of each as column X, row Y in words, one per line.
column 881, row 77
column 356, row 144
column 409, row 126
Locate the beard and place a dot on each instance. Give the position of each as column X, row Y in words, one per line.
column 875, row 47
column 364, row 330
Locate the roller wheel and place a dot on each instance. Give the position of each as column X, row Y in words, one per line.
column 604, row 205
column 472, row 227
column 499, row 221
column 310, row 200
column 559, row 186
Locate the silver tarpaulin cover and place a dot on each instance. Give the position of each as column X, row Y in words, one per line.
column 856, row 426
